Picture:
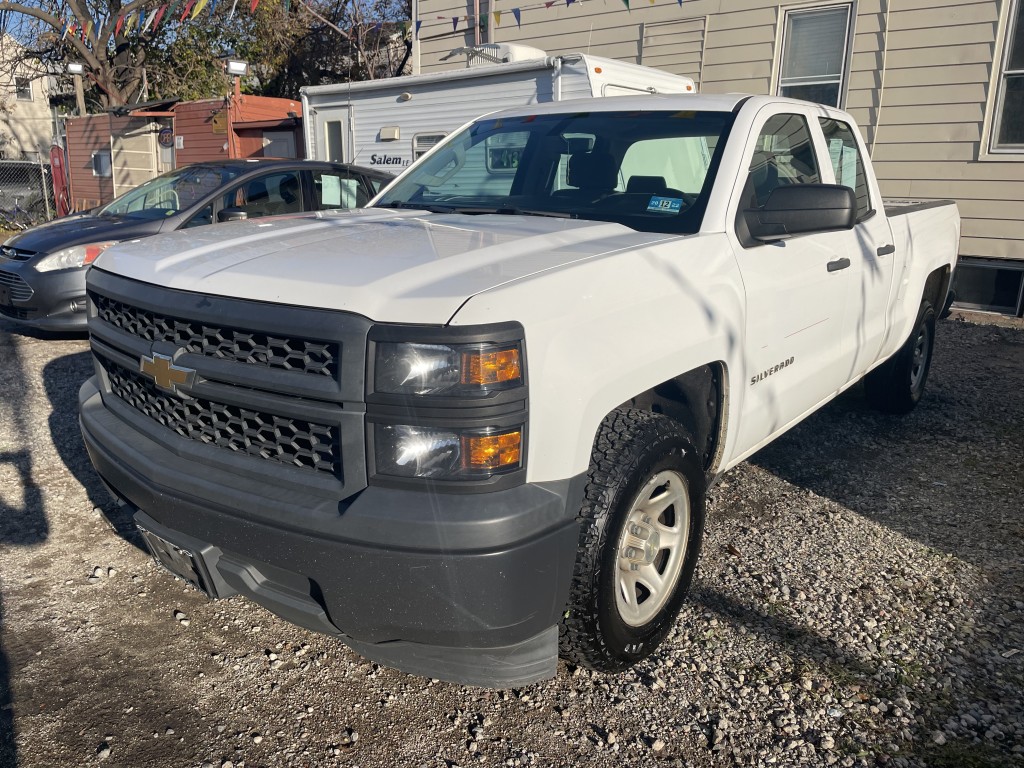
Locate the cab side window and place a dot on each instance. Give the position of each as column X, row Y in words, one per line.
column 846, row 162
column 783, row 155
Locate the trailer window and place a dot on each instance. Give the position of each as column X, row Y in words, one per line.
column 424, row 142
column 334, row 142
column 504, row 152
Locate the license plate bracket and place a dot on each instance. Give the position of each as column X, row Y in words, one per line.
column 5, row 295
column 178, row 560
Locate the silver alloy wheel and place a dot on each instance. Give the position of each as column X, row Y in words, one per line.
column 652, row 548
column 919, row 363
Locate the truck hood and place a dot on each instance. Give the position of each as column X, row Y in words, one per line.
column 407, row 266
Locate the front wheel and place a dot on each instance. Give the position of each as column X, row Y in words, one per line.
column 897, row 385
column 641, row 525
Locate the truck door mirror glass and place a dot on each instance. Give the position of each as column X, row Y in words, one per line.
column 802, row 208
column 232, row 214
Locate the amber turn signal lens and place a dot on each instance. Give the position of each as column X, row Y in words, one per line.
column 492, row 451
column 488, row 368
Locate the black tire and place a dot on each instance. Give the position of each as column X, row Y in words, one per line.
column 897, row 385
column 633, row 448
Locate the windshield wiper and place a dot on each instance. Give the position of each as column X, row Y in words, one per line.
column 431, row 207
column 477, row 211
column 534, row 212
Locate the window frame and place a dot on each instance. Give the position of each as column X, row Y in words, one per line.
column 417, row 153
column 782, row 37
column 23, row 88
column 761, row 121
column 1002, row 73
column 861, row 155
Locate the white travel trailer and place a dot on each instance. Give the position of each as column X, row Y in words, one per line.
column 387, row 124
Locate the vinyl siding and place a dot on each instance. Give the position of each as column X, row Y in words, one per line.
column 193, row 123
column 924, row 117
column 86, row 135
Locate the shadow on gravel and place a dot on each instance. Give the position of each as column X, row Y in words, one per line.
column 947, row 476
column 22, row 521
column 63, row 378
column 971, row 420
column 823, row 651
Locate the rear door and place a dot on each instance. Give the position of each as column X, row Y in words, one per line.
column 797, row 289
column 869, row 246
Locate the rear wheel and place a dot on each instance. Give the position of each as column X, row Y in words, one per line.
column 897, row 385
column 640, row 534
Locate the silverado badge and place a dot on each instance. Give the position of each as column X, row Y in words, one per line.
column 165, row 374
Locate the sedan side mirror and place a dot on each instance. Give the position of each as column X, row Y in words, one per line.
column 801, row 208
column 232, row 214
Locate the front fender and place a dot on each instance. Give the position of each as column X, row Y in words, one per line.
column 602, row 330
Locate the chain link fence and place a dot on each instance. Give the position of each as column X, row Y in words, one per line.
column 26, row 194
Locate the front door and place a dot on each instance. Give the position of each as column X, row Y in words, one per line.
column 796, row 292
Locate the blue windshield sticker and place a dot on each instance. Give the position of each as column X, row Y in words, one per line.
column 665, row 204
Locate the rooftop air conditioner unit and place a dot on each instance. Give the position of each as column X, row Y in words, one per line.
column 489, row 54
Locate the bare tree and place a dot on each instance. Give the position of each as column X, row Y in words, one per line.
column 289, row 44
column 94, row 32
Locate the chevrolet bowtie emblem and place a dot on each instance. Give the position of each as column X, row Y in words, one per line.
column 165, row 373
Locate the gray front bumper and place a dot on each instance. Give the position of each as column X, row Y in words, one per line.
column 463, row 587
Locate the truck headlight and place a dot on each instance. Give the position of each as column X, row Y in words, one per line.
column 72, row 258
column 402, row 450
column 411, row 368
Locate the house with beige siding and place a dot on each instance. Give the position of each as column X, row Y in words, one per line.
column 936, row 85
column 26, row 124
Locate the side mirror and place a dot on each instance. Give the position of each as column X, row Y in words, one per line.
column 801, row 208
column 232, row 214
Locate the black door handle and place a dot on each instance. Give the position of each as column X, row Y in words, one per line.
column 835, row 266
column 885, row 250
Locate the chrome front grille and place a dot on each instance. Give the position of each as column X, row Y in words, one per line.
column 18, row 288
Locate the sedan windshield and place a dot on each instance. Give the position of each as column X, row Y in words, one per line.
column 651, row 171
column 170, row 193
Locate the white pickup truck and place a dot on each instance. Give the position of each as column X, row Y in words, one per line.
column 470, row 428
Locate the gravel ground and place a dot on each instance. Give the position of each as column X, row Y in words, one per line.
column 859, row 603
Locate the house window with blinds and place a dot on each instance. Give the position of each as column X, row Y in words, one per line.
column 1009, row 129
column 815, row 49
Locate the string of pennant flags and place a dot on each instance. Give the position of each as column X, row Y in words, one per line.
column 517, row 14
column 149, row 20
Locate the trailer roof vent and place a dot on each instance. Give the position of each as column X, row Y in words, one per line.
column 489, row 54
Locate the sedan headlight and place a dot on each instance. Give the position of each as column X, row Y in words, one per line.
column 446, row 454
column 408, row 368
column 74, row 257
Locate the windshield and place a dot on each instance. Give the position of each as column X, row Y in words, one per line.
column 650, row 171
column 171, row 193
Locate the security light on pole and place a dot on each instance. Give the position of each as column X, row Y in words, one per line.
column 237, row 67
column 76, row 69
